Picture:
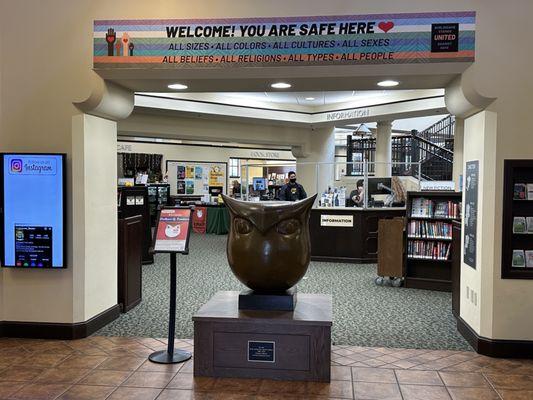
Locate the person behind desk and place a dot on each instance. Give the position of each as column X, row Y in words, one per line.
column 292, row 191
column 357, row 196
column 236, row 188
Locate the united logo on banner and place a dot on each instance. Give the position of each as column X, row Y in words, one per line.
column 398, row 38
column 199, row 220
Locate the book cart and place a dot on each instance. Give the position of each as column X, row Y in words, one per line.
column 429, row 239
column 517, row 230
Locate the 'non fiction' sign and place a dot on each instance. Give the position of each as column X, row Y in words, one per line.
column 285, row 41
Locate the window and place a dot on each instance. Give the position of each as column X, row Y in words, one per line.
column 234, row 168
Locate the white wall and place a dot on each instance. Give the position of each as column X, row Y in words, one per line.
column 95, row 246
column 479, row 144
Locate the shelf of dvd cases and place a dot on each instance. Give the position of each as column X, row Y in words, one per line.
column 517, row 227
column 429, row 235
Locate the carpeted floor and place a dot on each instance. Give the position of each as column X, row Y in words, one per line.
column 364, row 314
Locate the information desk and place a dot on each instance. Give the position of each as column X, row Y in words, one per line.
column 348, row 234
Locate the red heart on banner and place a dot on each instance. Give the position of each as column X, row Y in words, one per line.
column 386, row 26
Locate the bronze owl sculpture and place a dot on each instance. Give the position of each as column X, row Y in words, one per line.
column 269, row 246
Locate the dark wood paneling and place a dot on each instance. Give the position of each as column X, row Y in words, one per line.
column 456, row 268
column 358, row 244
column 230, row 350
column 130, row 235
column 515, row 171
column 390, row 247
column 303, row 343
column 495, row 347
column 126, row 211
column 60, row 331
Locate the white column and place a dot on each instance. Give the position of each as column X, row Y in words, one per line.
column 458, row 152
column 383, row 148
column 94, row 215
column 317, row 177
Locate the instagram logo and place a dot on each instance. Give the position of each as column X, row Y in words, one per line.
column 16, row 165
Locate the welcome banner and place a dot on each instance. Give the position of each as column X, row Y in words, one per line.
column 291, row 41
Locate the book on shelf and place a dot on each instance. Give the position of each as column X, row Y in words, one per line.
column 429, row 230
column 519, row 225
column 428, row 250
column 529, row 224
column 519, row 259
column 530, row 191
column 519, row 192
column 529, row 258
column 426, row 208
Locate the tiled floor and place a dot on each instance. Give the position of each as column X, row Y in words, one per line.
column 117, row 368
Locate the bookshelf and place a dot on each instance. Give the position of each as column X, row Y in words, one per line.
column 429, row 239
column 517, row 228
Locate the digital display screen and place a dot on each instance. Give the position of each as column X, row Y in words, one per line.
column 33, row 210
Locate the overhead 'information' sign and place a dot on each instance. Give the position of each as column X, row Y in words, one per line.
column 290, row 41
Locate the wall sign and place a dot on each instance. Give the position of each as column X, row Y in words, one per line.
column 264, row 154
column 470, row 216
column 336, row 220
column 437, row 185
column 285, row 41
column 261, row 351
column 348, row 114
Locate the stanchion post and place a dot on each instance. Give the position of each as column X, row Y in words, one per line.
column 171, row 356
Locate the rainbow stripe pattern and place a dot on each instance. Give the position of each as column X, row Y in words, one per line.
column 291, row 41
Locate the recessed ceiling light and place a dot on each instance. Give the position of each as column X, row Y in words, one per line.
column 310, row 98
column 178, row 86
column 281, row 85
column 388, row 83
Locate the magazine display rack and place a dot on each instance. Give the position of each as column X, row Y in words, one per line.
column 429, row 239
column 517, row 233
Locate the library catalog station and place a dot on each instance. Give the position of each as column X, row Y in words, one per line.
column 212, row 199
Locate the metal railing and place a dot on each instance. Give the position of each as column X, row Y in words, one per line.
column 432, row 148
column 441, row 133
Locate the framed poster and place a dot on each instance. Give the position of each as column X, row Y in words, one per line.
column 173, row 230
column 471, row 209
column 32, row 210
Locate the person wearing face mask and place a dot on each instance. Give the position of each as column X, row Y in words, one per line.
column 292, row 191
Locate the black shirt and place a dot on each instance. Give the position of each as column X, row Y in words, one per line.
column 292, row 192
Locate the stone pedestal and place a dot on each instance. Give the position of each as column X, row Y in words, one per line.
column 288, row 345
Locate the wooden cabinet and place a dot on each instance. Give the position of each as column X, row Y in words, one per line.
column 130, row 233
column 429, row 239
column 517, row 230
column 456, row 268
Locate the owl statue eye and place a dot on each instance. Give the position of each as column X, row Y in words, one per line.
column 288, row 226
column 243, row 226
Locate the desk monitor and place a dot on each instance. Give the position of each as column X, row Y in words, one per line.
column 260, row 184
column 379, row 186
column 32, row 205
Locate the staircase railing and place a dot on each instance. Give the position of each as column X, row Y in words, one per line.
column 440, row 133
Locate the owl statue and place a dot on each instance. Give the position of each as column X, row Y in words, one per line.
column 269, row 246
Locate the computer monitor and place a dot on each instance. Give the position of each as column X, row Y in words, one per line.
column 260, row 184
column 379, row 186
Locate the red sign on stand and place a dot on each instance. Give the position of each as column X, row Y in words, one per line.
column 173, row 230
column 199, row 220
